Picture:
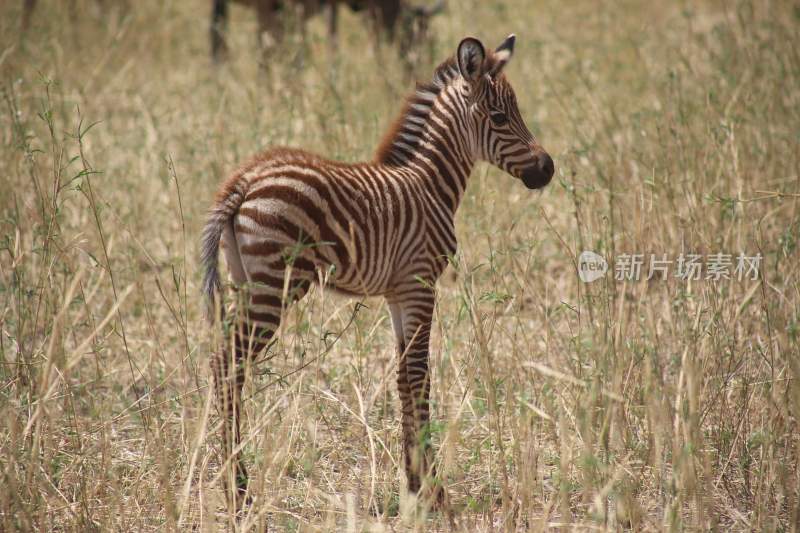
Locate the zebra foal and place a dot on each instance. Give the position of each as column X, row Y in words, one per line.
column 382, row 228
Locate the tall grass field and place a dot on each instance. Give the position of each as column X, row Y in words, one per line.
column 660, row 400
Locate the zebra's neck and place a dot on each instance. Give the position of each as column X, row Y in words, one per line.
column 431, row 136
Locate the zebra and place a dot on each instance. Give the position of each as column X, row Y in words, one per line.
column 380, row 228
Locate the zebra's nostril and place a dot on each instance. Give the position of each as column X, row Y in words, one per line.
column 547, row 166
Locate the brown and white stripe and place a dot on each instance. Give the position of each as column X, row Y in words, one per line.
column 382, row 228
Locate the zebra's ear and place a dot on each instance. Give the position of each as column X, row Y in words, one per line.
column 502, row 55
column 470, row 57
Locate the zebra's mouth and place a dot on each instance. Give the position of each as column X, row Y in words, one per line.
column 536, row 178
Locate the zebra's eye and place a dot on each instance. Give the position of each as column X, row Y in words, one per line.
column 498, row 117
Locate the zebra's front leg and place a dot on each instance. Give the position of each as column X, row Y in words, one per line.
column 411, row 318
column 408, row 422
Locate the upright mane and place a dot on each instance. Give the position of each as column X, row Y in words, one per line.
column 402, row 138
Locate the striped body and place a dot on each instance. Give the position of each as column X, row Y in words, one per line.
column 385, row 228
column 376, row 226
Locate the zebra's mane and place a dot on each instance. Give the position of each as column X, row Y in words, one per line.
column 402, row 138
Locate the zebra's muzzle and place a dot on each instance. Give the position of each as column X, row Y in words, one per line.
column 540, row 173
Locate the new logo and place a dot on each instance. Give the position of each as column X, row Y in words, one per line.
column 591, row 266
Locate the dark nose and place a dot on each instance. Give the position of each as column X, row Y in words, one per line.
column 547, row 166
column 540, row 173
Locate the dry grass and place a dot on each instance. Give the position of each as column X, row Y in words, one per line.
column 651, row 405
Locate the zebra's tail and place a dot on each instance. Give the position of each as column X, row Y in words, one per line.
column 220, row 219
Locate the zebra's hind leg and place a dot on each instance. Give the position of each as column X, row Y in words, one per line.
column 252, row 328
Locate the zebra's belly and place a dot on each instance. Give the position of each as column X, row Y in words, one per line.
column 360, row 279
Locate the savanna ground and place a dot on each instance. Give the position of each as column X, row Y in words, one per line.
column 661, row 404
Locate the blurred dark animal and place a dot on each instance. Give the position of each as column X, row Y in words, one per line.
column 399, row 21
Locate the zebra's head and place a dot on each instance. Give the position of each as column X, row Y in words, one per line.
column 501, row 136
